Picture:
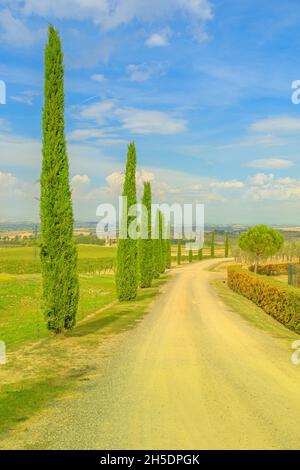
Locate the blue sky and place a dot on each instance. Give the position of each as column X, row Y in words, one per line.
column 202, row 87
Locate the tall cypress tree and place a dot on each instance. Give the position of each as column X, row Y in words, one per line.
column 168, row 248
column 226, row 245
column 162, row 244
column 179, row 251
column 190, row 254
column 58, row 249
column 127, row 259
column 146, row 242
column 212, row 246
column 156, row 247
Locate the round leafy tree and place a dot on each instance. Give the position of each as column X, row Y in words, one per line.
column 261, row 242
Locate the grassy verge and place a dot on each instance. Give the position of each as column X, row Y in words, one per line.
column 40, row 371
column 252, row 313
column 21, row 318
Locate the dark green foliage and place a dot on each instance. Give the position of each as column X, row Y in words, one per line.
column 58, row 250
column 226, row 245
column 200, row 254
column 212, row 245
column 179, row 251
column 168, row 248
column 162, row 241
column 156, row 248
column 127, row 259
column 190, row 254
column 146, row 242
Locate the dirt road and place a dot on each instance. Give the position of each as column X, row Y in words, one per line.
column 191, row 375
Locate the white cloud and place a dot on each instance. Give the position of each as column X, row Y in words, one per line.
column 231, row 184
column 270, row 163
column 85, row 134
column 13, row 31
column 139, row 121
column 7, row 180
column 80, row 180
column 281, row 124
column 267, row 140
column 26, row 97
column 99, row 112
column 159, row 39
column 266, row 187
column 98, row 77
column 142, row 72
column 110, row 15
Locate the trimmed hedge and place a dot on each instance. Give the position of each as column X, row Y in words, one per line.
column 280, row 301
column 271, row 269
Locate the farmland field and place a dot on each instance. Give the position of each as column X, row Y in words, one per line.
column 21, row 318
column 25, row 260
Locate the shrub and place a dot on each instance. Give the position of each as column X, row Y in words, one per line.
column 279, row 301
column 271, row 269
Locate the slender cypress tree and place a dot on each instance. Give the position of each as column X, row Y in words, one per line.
column 146, row 242
column 200, row 254
column 168, row 248
column 162, row 243
column 190, row 254
column 212, row 246
column 179, row 251
column 156, row 248
column 226, row 245
column 127, row 255
column 58, row 249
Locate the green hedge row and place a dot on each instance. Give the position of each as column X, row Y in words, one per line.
column 280, row 301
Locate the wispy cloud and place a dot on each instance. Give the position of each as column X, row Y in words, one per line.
column 255, row 140
column 265, row 163
column 279, row 124
column 110, row 15
column 143, row 72
column 26, row 97
column 13, row 30
column 231, row 184
column 98, row 77
column 139, row 121
column 136, row 121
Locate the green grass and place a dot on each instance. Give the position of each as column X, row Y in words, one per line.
column 252, row 313
column 58, row 364
column 41, row 367
column 21, row 318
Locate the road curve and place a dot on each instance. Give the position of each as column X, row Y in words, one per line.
column 191, row 375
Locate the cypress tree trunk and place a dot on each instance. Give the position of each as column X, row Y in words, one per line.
column 146, row 242
column 58, row 249
column 200, row 254
column 127, row 254
column 179, row 251
column 212, row 247
column 226, row 245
